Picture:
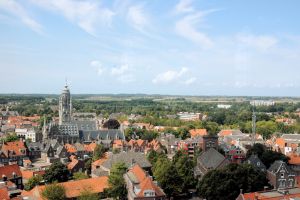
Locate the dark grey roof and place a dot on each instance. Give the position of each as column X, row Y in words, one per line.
column 211, row 158
column 85, row 125
column 128, row 158
column 277, row 164
column 68, row 129
column 34, row 145
column 110, row 134
column 291, row 136
column 256, row 162
column 47, row 147
column 9, row 113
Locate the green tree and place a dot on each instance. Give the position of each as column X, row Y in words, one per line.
column 117, row 186
column 54, row 192
column 88, row 195
column 167, row 176
column 225, row 184
column 56, row 172
column 11, row 137
column 185, row 168
column 98, row 152
column 79, row 176
column 32, row 182
column 265, row 155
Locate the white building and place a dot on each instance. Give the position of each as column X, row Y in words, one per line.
column 262, row 103
column 186, row 116
column 27, row 133
column 224, row 106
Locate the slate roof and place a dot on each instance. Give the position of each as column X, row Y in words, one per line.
column 254, row 160
column 277, row 164
column 211, row 158
column 85, row 125
column 128, row 158
column 110, row 134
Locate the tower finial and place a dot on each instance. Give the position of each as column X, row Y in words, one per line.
column 66, row 79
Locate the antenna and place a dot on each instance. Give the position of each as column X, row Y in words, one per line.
column 66, row 79
column 253, row 126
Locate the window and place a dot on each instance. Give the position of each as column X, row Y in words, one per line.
column 291, row 183
column 282, row 175
column 258, row 164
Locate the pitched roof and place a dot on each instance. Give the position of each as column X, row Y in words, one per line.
column 9, row 170
column 127, row 158
column 276, row 166
column 253, row 160
column 16, row 147
column 144, row 181
column 72, row 164
column 294, row 159
column 198, row 132
column 74, row 188
column 27, row 174
column 4, row 195
column 211, row 158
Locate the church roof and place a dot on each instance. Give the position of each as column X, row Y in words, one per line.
column 211, row 159
column 111, row 134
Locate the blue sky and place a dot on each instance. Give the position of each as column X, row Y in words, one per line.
column 187, row 47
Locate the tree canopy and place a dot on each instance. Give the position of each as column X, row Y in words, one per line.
column 265, row 155
column 56, row 172
column 225, row 184
column 54, row 192
column 98, row 152
column 117, row 186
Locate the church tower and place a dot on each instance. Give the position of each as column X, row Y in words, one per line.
column 65, row 106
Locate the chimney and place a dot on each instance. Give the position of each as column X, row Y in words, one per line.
column 4, row 178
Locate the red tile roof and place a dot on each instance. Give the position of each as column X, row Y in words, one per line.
column 145, row 182
column 18, row 148
column 4, row 193
column 74, row 188
column 8, row 171
column 197, row 132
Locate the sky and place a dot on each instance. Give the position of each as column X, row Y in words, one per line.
column 179, row 47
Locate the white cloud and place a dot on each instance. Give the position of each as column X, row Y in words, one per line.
column 121, row 70
column 123, row 73
column 260, row 42
column 184, row 6
column 186, row 27
column 86, row 14
column 169, row 76
column 17, row 10
column 136, row 17
column 98, row 66
column 190, row 81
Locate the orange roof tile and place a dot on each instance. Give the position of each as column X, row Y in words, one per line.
column 225, row 133
column 294, row 159
column 140, row 142
column 280, row 142
column 27, row 174
column 198, row 132
column 90, row 147
column 16, row 147
column 138, row 172
column 74, row 188
column 4, row 194
column 72, row 164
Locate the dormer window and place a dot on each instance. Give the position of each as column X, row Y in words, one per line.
column 258, row 164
